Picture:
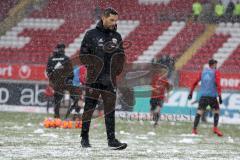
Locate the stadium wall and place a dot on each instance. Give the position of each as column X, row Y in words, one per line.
column 178, row 104
column 28, row 96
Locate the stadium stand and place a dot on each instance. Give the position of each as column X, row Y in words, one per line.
column 33, row 39
column 5, row 7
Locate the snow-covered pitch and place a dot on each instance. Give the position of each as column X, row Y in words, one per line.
column 23, row 137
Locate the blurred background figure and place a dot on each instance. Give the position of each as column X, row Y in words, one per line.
column 59, row 71
column 160, row 88
column 219, row 11
column 197, row 10
column 49, row 95
column 229, row 11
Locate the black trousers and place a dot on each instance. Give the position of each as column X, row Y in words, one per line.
column 108, row 94
column 57, row 103
column 211, row 101
column 58, row 96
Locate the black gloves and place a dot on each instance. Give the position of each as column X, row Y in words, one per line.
column 220, row 99
column 189, row 96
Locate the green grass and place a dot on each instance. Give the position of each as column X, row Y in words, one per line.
column 22, row 137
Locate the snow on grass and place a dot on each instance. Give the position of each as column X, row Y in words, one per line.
column 190, row 135
column 230, row 140
column 142, row 137
column 166, row 141
column 125, row 133
column 151, row 133
column 189, row 141
column 14, row 127
column 39, row 130
column 49, row 135
column 29, row 124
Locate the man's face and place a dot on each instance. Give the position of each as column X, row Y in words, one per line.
column 215, row 65
column 110, row 22
column 62, row 50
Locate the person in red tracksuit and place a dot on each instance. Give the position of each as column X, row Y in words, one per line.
column 210, row 89
column 160, row 86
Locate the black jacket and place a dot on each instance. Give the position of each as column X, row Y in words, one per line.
column 59, row 70
column 102, row 53
column 230, row 8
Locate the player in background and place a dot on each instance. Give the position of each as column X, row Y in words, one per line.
column 160, row 88
column 60, row 75
column 210, row 89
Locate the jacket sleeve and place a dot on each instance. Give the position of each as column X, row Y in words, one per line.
column 218, row 84
column 86, row 50
column 195, row 83
column 88, row 58
column 121, row 49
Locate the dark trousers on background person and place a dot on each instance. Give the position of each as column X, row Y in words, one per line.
column 57, row 103
column 108, row 94
column 58, row 96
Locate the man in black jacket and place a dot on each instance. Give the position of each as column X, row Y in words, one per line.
column 229, row 11
column 60, row 74
column 103, row 55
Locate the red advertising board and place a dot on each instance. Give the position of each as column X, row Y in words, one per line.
column 37, row 72
column 22, row 72
column 228, row 80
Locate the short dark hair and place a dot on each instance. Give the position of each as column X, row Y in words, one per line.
column 108, row 11
column 212, row 62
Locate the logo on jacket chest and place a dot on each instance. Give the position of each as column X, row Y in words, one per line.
column 102, row 42
column 114, row 41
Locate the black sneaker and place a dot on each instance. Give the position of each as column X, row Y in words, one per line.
column 85, row 143
column 114, row 144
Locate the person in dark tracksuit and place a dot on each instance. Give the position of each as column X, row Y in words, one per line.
column 102, row 53
column 210, row 89
column 60, row 74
